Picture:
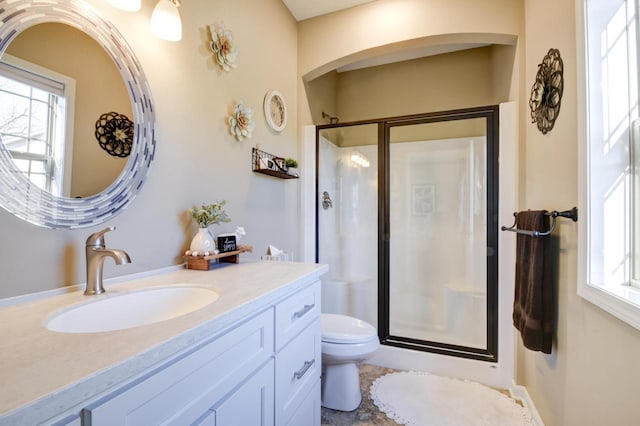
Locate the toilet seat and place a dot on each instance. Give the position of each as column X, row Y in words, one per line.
column 342, row 329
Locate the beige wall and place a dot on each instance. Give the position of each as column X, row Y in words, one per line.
column 435, row 83
column 197, row 160
column 99, row 89
column 591, row 378
column 323, row 96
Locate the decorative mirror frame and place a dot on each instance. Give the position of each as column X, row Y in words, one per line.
column 27, row 201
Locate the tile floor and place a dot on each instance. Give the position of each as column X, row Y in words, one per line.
column 367, row 413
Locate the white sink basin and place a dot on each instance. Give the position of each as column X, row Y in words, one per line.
column 132, row 309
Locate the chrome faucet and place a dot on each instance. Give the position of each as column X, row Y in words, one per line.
column 97, row 251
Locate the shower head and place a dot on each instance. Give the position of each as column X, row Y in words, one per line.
column 332, row 120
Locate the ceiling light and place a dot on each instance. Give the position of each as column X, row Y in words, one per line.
column 359, row 159
column 165, row 20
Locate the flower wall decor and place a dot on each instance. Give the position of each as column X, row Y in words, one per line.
column 241, row 122
column 222, row 46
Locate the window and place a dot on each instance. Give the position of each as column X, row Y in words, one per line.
column 34, row 107
column 609, row 274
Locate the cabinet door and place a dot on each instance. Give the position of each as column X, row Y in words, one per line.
column 308, row 413
column 181, row 392
column 251, row 404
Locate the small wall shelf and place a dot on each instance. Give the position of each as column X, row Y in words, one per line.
column 268, row 164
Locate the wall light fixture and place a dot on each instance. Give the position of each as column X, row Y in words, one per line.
column 165, row 20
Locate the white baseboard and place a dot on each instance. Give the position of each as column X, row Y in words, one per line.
column 520, row 393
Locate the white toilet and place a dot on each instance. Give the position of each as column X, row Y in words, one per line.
column 346, row 342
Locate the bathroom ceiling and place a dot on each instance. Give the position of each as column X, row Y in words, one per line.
column 305, row 9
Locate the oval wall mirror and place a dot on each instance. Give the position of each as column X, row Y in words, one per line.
column 78, row 139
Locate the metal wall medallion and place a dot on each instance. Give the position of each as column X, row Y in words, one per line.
column 546, row 93
column 115, row 134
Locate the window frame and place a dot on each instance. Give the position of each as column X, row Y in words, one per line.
column 68, row 92
column 621, row 301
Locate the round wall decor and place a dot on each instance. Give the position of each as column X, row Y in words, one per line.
column 275, row 111
column 115, row 133
column 546, row 93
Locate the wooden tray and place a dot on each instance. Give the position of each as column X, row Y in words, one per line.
column 204, row 263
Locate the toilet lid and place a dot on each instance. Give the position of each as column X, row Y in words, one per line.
column 344, row 329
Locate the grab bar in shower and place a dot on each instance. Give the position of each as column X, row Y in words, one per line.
column 568, row 214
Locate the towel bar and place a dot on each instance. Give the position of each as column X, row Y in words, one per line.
column 569, row 214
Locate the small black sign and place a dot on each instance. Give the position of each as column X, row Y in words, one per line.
column 227, row 243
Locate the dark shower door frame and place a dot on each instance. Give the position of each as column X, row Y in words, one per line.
column 491, row 116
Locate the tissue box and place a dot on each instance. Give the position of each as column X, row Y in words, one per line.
column 226, row 243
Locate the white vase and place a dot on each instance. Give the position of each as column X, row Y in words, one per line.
column 203, row 241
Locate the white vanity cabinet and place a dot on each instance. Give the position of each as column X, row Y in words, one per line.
column 263, row 370
column 298, row 355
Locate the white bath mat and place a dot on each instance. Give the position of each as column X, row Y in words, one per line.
column 422, row 399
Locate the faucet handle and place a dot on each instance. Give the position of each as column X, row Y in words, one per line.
column 97, row 238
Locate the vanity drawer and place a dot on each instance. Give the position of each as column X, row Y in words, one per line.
column 185, row 390
column 295, row 313
column 298, row 368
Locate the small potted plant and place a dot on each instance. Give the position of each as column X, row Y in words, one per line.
column 206, row 215
column 292, row 165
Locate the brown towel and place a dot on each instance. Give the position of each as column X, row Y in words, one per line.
column 533, row 306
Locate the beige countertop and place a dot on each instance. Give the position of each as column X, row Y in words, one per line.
column 44, row 373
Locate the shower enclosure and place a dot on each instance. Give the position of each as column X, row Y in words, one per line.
column 406, row 219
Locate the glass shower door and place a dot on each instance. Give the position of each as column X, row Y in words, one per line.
column 438, row 289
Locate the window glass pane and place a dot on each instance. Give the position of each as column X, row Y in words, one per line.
column 38, row 167
column 40, row 95
column 38, row 147
column 14, row 115
column 39, row 180
column 39, row 120
column 14, row 86
column 612, row 105
column 23, row 165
